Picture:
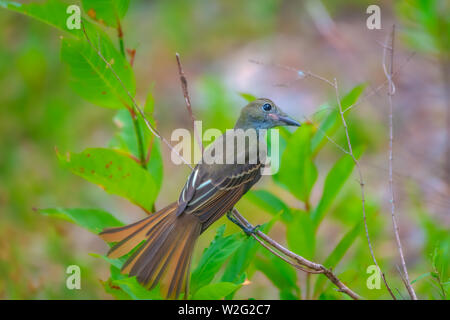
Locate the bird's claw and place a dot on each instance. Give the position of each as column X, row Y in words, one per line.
column 249, row 231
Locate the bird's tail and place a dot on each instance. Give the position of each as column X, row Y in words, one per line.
column 165, row 256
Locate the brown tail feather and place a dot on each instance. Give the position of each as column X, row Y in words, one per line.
column 165, row 255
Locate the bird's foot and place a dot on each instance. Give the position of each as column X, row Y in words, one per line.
column 247, row 230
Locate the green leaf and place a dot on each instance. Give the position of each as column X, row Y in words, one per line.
column 220, row 249
column 280, row 273
column 94, row 220
column 126, row 140
column 114, row 290
column 136, row 291
column 117, row 263
column 327, row 127
column 91, row 78
column 297, row 171
column 427, row 274
column 106, row 11
column 338, row 253
column 215, row 291
column 155, row 164
column 333, row 121
column 301, row 236
column 247, row 96
column 240, row 261
column 52, row 12
column 334, row 181
column 243, row 256
column 270, row 203
column 115, row 172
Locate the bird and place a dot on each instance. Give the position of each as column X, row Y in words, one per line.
column 165, row 239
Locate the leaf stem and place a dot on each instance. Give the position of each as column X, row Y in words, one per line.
column 139, row 138
column 136, row 125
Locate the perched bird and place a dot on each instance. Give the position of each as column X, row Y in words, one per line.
column 211, row 190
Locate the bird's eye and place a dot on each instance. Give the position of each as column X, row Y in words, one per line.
column 267, row 107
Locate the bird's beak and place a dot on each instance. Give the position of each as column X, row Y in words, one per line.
column 288, row 121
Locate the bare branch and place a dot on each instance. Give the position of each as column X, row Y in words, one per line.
column 327, row 136
column 184, row 87
column 361, row 183
column 295, row 260
column 391, row 92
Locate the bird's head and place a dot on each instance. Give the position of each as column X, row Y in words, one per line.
column 263, row 114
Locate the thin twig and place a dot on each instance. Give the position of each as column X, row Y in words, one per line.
column 382, row 85
column 361, row 183
column 302, row 74
column 184, row 87
column 389, row 74
column 300, row 262
column 327, row 136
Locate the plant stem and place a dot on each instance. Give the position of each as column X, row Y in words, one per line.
column 140, row 140
column 136, row 125
column 120, row 36
column 389, row 73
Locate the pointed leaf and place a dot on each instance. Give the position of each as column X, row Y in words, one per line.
column 332, row 120
column 94, row 220
column 51, row 12
column 336, row 178
column 280, row 273
column 301, row 236
column 115, row 172
column 270, row 203
column 215, row 291
column 213, row 258
column 297, row 171
column 107, row 12
column 91, row 78
column 338, row 253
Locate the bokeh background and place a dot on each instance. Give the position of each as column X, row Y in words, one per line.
column 217, row 40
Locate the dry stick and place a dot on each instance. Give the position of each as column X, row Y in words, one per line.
column 299, row 260
column 361, row 183
column 381, row 86
column 184, row 87
column 135, row 105
column 267, row 242
column 391, row 92
column 302, row 74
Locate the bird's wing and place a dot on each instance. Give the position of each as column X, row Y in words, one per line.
column 210, row 193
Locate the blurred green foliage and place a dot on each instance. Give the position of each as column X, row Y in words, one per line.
column 45, row 110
